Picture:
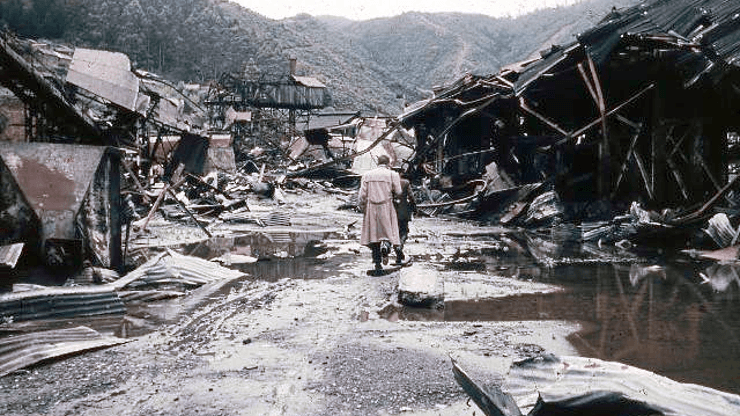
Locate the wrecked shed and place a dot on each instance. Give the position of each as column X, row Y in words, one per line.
column 638, row 108
column 292, row 92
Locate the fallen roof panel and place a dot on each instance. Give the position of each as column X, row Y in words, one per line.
column 106, row 74
column 21, row 351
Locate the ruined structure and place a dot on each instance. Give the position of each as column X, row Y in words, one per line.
column 60, row 179
column 269, row 106
column 639, row 108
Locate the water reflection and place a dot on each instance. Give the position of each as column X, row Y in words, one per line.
column 680, row 320
column 263, row 245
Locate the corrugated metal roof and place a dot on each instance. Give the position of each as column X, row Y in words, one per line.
column 535, row 70
column 308, row 82
column 712, row 24
column 551, row 379
column 58, row 302
column 170, row 268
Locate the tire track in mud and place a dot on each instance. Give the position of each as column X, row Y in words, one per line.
column 205, row 323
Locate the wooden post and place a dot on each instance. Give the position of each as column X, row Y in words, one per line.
column 658, row 134
column 605, row 169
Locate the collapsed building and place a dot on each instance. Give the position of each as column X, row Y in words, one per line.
column 263, row 109
column 79, row 114
column 638, row 108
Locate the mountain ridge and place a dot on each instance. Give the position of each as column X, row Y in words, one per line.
column 375, row 65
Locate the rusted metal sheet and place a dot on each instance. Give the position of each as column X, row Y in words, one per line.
column 21, row 351
column 73, row 191
column 54, row 179
column 106, row 74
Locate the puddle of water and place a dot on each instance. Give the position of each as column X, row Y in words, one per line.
column 279, row 254
column 680, row 320
column 262, row 245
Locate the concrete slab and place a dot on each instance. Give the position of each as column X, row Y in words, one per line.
column 420, row 285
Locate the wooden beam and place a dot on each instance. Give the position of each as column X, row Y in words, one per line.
column 587, row 81
column 643, row 172
column 623, row 169
column 679, row 180
column 709, row 204
column 604, row 148
column 625, row 120
column 551, row 124
column 139, row 187
column 159, row 200
column 609, row 113
column 182, row 205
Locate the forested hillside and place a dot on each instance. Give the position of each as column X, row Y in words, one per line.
column 374, row 65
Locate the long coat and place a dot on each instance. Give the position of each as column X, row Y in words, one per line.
column 377, row 189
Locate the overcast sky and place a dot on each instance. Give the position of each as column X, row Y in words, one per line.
column 369, row 9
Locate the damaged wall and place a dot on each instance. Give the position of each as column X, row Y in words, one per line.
column 72, row 192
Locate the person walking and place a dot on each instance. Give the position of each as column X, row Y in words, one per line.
column 378, row 188
column 405, row 208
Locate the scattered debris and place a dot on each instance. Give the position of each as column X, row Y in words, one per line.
column 173, row 271
column 9, row 255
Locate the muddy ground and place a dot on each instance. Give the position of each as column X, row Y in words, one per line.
column 306, row 332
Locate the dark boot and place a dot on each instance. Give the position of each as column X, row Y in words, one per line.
column 385, row 251
column 377, row 257
column 399, row 255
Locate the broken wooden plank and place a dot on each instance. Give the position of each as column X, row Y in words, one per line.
column 608, row 113
column 9, row 255
column 709, row 204
column 677, row 175
column 159, row 200
column 625, row 164
column 604, row 179
column 21, row 351
column 587, row 81
column 190, row 214
column 138, row 185
column 643, row 172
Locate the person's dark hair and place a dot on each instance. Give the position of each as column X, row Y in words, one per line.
column 383, row 160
